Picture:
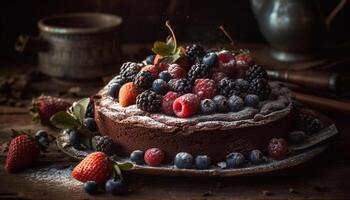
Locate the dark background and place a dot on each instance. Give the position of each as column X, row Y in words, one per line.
column 193, row 20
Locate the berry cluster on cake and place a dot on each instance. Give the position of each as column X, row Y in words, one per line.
column 192, row 99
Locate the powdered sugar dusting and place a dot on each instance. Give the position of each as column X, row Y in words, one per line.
column 52, row 176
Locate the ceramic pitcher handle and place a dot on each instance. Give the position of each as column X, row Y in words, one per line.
column 30, row 43
column 335, row 12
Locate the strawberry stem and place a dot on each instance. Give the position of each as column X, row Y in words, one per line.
column 167, row 24
column 228, row 36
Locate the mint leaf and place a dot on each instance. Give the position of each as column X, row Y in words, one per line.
column 64, row 120
column 162, row 48
column 78, row 109
column 125, row 166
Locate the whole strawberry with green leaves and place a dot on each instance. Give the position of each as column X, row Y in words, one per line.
column 44, row 107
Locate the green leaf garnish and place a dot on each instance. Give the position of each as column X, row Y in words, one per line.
column 64, row 120
column 78, row 109
column 125, row 166
column 162, row 48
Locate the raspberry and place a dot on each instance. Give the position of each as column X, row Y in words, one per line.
column 186, row 105
column 153, row 69
column 176, row 71
column 154, row 157
column 278, row 148
column 205, row 88
column 149, row 101
column 227, row 63
column 182, row 86
column 218, row 76
column 198, row 71
column 167, row 102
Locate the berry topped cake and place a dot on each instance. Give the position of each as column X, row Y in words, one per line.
column 192, row 99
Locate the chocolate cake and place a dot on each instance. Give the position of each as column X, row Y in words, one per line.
column 214, row 135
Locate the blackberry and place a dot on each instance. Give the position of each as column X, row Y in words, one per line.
column 255, row 72
column 149, row 101
column 129, row 70
column 105, row 144
column 194, row 52
column 143, row 80
column 260, row 87
column 308, row 123
column 228, row 87
column 182, row 86
column 198, row 71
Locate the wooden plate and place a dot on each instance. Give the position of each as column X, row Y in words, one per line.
column 298, row 155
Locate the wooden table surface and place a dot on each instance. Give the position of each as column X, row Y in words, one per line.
column 325, row 177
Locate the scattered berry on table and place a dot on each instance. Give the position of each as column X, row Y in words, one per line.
column 255, row 72
column 186, row 105
column 94, row 167
column 137, row 157
column 256, row 157
column 182, row 86
column 153, row 69
column 227, row 63
column 149, row 101
column 74, row 138
column 309, row 123
column 143, row 80
column 154, row 157
column 129, row 70
column 210, row 59
column 205, row 88
column 127, row 94
column 194, row 52
column 23, row 152
column 165, row 75
column 90, row 187
column 221, row 102
column 149, row 60
column 44, row 107
column 160, row 86
column 296, row 137
column 90, row 123
column 218, row 76
column 113, row 90
column 167, row 102
column 198, row 71
column 202, row 162
column 114, row 186
column 278, row 148
column 260, row 87
column 234, row 160
column 183, row 160
column 41, row 133
column 208, row 106
column 251, row 100
column 176, row 71
column 235, row 103
column 44, row 143
column 105, row 145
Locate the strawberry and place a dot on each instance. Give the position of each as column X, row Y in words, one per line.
column 127, row 94
column 22, row 153
column 45, row 107
column 94, row 167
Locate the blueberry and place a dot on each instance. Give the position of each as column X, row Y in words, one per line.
column 183, row 160
column 90, row 187
column 41, row 133
column 208, row 106
column 234, row 160
column 149, row 60
column 90, row 110
column 251, row 100
column 114, row 186
column 296, row 137
column 221, row 103
column 137, row 157
column 160, row 86
column 117, row 79
column 235, row 103
column 113, row 89
column 210, row 59
column 90, row 123
column 256, row 157
column 74, row 138
column 44, row 143
column 166, row 76
column 203, row 162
